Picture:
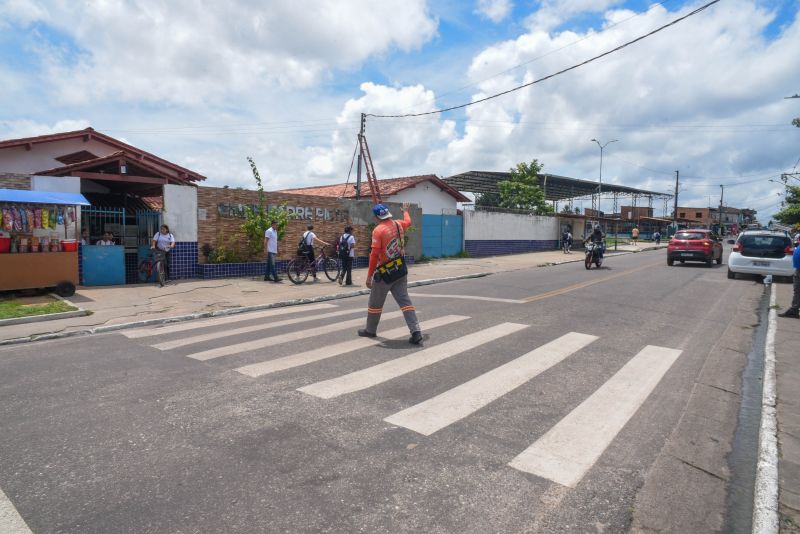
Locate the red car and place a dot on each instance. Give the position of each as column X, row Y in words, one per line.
column 694, row 245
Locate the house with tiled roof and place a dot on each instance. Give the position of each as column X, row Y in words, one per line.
column 427, row 191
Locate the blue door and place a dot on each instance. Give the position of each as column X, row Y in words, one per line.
column 442, row 235
column 103, row 266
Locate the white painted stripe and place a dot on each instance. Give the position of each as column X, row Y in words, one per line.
column 297, row 335
column 467, row 297
column 569, row 449
column 383, row 372
column 253, row 328
column 453, row 405
column 228, row 319
column 10, row 520
column 766, row 519
column 322, row 353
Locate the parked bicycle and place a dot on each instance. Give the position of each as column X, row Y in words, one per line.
column 154, row 263
column 300, row 267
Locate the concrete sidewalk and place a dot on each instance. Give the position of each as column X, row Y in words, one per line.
column 118, row 305
column 787, row 371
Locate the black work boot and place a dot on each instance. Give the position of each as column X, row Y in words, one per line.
column 791, row 312
column 363, row 333
column 416, row 338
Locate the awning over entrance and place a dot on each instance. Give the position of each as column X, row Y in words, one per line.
column 42, row 197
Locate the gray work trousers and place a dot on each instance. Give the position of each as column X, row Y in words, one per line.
column 377, row 296
column 796, row 295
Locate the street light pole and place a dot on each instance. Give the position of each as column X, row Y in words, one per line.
column 600, row 188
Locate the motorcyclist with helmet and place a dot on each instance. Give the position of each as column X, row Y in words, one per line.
column 599, row 238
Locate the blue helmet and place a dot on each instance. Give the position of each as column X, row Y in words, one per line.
column 380, row 211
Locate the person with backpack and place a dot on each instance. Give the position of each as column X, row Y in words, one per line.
column 345, row 249
column 164, row 241
column 566, row 241
column 306, row 247
column 388, row 273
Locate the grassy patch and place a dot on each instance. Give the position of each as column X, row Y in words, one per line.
column 12, row 308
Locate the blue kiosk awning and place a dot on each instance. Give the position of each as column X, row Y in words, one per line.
column 42, row 197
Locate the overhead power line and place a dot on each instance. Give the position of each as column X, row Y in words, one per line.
column 573, row 67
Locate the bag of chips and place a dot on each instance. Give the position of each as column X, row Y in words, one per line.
column 37, row 218
column 45, row 218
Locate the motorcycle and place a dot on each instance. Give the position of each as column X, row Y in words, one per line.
column 592, row 255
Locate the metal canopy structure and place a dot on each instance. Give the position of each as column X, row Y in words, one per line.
column 556, row 188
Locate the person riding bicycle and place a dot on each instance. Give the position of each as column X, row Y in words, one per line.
column 599, row 238
column 164, row 241
column 309, row 240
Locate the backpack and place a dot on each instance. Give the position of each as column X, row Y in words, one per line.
column 302, row 247
column 343, row 247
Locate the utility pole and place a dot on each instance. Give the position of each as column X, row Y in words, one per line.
column 358, row 172
column 720, row 208
column 675, row 211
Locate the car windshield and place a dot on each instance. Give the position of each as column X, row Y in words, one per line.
column 764, row 242
column 690, row 235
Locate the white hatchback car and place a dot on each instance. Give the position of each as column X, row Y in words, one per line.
column 761, row 252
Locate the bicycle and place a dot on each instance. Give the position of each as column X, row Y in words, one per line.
column 154, row 263
column 299, row 268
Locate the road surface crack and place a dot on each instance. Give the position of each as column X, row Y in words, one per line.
column 690, row 464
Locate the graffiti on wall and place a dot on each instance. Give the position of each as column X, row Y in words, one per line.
column 237, row 211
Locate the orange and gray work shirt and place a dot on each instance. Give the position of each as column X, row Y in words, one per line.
column 385, row 243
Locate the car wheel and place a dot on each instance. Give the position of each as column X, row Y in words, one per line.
column 731, row 275
column 719, row 260
column 683, row 261
column 670, row 262
column 710, row 262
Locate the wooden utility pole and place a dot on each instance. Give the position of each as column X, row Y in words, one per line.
column 358, row 171
column 720, row 208
column 675, row 211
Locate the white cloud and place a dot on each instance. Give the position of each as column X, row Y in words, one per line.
column 494, row 10
column 552, row 13
column 177, row 51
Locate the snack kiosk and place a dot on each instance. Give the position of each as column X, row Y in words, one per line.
column 36, row 249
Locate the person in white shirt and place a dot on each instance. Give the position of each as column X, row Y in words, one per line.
column 165, row 241
column 346, row 275
column 108, row 240
column 271, row 246
column 310, row 239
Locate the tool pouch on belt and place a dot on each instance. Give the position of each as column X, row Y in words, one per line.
column 395, row 269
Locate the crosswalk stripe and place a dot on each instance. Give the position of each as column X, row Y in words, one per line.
column 445, row 409
column 383, row 372
column 228, row 319
column 569, row 449
column 302, row 333
column 175, row 343
column 10, row 520
column 322, row 353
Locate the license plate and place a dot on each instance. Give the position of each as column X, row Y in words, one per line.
column 686, row 255
column 761, row 263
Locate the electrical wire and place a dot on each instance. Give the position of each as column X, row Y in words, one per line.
column 539, row 80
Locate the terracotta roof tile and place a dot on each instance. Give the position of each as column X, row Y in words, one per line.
column 389, row 187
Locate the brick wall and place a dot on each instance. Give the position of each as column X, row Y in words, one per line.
column 10, row 180
column 328, row 215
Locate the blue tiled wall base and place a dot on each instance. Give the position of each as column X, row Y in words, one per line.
column 183, row 260
column 476, row 248
column 210, row 271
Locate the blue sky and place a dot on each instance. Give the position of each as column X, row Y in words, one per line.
column 206, row 88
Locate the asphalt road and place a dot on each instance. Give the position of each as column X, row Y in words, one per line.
column 151, row 431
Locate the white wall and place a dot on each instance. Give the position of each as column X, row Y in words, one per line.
column 180, row 211
column 56, row 184
column 485, row 225
column 427, row 196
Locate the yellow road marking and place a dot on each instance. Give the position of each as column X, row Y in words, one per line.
column 581, row 285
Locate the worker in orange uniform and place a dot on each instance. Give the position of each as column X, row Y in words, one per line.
column 388, row 272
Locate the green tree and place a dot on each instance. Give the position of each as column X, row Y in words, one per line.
column 522, row 192
column 791, row 213
column 257, row 220
column 491, row 200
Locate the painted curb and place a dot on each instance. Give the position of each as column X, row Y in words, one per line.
column 221, row 313
column 765, row 499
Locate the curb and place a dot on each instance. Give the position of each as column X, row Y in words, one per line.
column 221, row 313
column 765, row 499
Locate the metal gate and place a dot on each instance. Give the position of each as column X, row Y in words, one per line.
column 100, row 220
column 147, row 224
column 442, row 235
column 103, row 265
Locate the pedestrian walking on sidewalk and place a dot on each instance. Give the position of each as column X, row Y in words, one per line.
column 347, row 253
column 388, row 273
column 271, row 246
column 794, row 310
column 635, row 235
